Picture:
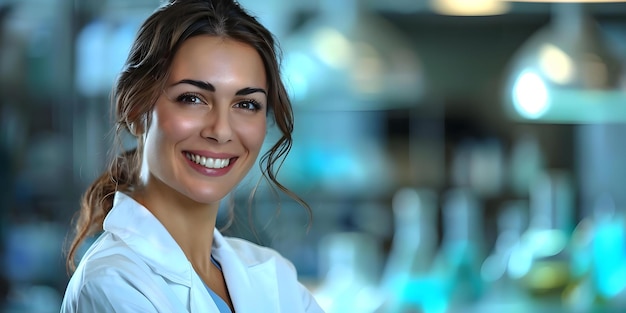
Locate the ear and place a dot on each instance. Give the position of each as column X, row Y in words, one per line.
column 138, row 127
column 134, row 129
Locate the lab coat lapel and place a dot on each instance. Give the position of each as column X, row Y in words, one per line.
column 148, row 238
column 253, row 286
column 201, row 301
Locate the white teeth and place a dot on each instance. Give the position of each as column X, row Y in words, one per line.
column 208, row 162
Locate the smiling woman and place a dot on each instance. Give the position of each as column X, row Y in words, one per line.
column 197, row 90
column 209, row 119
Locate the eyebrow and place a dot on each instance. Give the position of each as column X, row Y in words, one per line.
column 209, row 87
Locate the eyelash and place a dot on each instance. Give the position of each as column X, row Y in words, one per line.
column 182, row 98
column 256, row 106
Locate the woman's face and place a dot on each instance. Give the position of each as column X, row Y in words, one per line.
column 208, row 125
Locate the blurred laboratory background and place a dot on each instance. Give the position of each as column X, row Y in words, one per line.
column 458, row 155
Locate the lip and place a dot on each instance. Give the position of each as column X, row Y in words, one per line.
column 211, row 172
column 208, row 154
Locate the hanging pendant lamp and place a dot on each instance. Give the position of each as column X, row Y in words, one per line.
column 347, row 58
column 567, row 73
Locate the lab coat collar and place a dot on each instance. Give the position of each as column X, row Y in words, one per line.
column 144, row 234
column 251, row 279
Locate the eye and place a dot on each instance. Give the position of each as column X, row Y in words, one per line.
column 190, row 98
column 249, row 104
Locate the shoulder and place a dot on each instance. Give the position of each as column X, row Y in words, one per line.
column 108, row 256
column 252, row 254
column 111, row 278
column 106, row 261
column 106, row 284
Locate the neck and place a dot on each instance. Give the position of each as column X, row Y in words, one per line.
column 190, row 223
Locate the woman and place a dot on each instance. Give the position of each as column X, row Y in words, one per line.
column 200, row 81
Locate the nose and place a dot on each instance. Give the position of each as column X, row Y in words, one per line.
column 218, row 126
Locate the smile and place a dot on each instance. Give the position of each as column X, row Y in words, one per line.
column 207, row 162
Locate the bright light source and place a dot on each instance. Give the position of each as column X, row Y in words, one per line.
column 530, row 95
column 470, row 7
column 556, row 64
column 332, row 47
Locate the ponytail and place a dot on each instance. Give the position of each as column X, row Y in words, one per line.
column 97, row 201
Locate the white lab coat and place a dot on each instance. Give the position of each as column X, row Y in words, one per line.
column 136, row 266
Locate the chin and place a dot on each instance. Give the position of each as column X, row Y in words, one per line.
column 207, row 198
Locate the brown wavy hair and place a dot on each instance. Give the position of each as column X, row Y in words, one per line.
column 142, row 80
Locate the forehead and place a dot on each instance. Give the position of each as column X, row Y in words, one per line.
column 218, row 60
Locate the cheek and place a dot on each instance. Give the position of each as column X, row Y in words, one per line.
column 253, row 134
column 173, row 127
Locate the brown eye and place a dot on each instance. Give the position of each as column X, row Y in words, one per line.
column 189, row 98
column 250, row 105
